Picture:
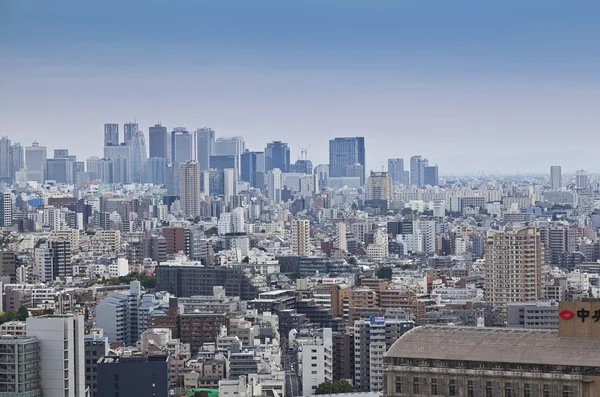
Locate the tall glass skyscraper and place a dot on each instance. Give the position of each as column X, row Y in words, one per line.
column 277, row 155
column 139, row 157
column 157, row 139
column 205, row 142
column 344, row 152
column 111, row 134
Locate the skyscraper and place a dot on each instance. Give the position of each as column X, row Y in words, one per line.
column 396, row 171
column 581, row 180
column 431, row 176
column 220, row 162
column 513, row 266
column 5, row 165
column 111, row 134
column 128, row 130
column 62, row 358
column 230, row 183
column 181, row 146
column 60, row 170
column 189, row 188
column 120, row 155
column 205, row 141
column 555, row 177
column 17, row 159
column 158, row 138
column 156, row 171
column 35, row 162
column 139, row 156
column 344, row 152
column 379, row 187
column 277, row 155
column 274, row 185
column 234, row 146
column 300, row 237
column 417, row 170
column 252, row 162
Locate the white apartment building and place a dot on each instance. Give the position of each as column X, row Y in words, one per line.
column 317, row 362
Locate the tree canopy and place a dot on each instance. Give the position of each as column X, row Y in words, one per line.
column 384, row 273
column 339, row 386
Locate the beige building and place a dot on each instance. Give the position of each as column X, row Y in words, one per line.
column 499, row 362
column 189, row 188
column 513, row 266
column 300, row 237
column 379, row 186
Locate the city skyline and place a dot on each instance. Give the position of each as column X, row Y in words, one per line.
column 501, row 88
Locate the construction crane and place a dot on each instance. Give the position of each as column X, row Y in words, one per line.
column 304, row 152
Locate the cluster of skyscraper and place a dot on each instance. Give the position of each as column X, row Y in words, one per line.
column 421, row 173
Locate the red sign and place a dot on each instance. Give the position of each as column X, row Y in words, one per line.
column 566, row 314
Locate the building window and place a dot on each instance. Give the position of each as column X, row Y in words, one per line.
column 509, row 390
column 416, row 386
column 488, row 389
column 569, row 391
column 398, row 384
column 452, row 387
column 526, row 390
column 470, row 390
column 434, row 387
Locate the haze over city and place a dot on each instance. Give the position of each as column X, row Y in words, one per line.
column 506, row 87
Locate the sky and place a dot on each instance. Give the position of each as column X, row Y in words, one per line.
column 474, row 86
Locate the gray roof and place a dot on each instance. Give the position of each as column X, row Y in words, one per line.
column 496, row 345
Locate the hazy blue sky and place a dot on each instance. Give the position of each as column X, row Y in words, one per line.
column 472, row 85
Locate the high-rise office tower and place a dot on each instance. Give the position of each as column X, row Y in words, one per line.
column 344, row 152
column 139, row 156
column 234, row 146
column 111, row 134
column 581, row 180
column 6, row 206
column 321, row 176
column 379, row 186
column 5, row 165
column 133, row 376
column 35, row 162
column 158, row 141
column 396, row 171
column 62, row 353
column 302, row 166
column 60, row 170
column 513, row 266
column 300, row 237
column 252, row 162
column 181, row 146
column 189, row 188
column 274, row 185
column 156, row 170
column 277, row 155
column 121, row 162
column 205, row 140
column 128, row 130
column 17, row 159
column 417, row 170
column 221, row 162
column 555, row 177
column 61, row 153
column 431, row 176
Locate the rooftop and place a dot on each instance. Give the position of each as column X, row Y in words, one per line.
column 496, row 344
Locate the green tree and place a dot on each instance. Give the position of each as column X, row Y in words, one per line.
column 22, row 313
column 384, row 273
column 246, row 260
column 339, row 386
column 213, row 231
column 406, row 211
column 352, row 260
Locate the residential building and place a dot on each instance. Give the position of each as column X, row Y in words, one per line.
column 379, row 187
column 533, row 315
column 6, row 209
column 21, row 372
column 513, row 267
column 189, row 190
column 373, row 337
column 300, row 237
column 62, row 356
column 317, row 362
